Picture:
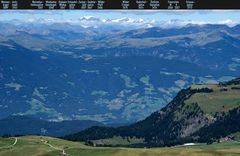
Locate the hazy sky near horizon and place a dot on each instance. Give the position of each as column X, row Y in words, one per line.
column 209, row 16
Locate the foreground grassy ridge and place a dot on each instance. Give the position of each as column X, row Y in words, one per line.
column 5, row 142
column 34, row 146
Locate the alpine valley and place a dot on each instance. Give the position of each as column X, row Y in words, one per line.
column 109, row 75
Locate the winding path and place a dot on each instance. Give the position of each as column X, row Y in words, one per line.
column 56, row 148
column 15, row 142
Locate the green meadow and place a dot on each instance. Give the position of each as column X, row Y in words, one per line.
column 47, row 146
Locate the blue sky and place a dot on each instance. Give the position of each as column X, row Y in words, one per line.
column 229, row 17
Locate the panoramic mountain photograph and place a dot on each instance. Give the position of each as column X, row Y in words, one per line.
column 119, row 83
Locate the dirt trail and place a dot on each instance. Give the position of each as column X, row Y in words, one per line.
column 56, row 148
column 15, row 142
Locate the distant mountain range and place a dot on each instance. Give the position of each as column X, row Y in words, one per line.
column 25, row 125
column 61, row 72
column 201, row 113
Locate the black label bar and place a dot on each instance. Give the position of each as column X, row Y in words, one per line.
column 119, row 4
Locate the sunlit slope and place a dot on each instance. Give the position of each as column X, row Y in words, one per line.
column 222, row 99
column 36, row 146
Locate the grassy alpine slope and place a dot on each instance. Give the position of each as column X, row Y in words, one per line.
column 47, row 146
